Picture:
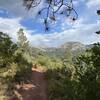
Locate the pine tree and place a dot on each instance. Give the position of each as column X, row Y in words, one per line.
column 23, row 43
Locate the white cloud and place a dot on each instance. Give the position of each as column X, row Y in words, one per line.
column 17, row 8
column 10, row 26
column 84, row 34
column 93, row 3
column 79, row 32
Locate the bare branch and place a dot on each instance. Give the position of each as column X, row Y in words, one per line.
column 52, row 9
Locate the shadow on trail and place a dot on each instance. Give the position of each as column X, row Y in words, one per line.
column 35, row 89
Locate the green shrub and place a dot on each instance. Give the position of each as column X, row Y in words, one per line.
column 23, row 67
column 60, row 84
column 7, row 50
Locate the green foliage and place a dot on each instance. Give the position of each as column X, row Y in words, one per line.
column 7, row 49
column 67, row 58
column 22, row 57
column 60, row 84
column 79, row 83
column 16, row 63
column 88, row 74
column 48, row 62
column 23, row 67
column 23, row 43
column 66, row 81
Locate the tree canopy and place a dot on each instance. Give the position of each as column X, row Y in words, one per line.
column 53, row 8
column 7, row 49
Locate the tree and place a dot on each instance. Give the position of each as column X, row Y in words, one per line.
column 24, row 47
column 23, row 43
column 52, row 9
column 88, row 74
column 7, row 49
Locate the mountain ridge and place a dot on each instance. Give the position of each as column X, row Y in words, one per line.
column 75, row 47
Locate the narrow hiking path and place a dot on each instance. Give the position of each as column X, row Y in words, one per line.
column 35, row 89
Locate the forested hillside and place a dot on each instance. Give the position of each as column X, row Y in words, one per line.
column 71, row 70
column 49, row 50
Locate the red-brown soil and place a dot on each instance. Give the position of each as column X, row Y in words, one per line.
column 35, row 89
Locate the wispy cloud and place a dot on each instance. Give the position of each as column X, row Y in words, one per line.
column 83, row 30
column 10, row 26
column 79, row 32
column 93, row 3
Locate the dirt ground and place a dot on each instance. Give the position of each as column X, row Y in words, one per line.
column 35, row 89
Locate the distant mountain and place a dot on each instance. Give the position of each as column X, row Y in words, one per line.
column 75, row 47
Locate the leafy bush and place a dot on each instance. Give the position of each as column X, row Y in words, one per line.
column 88, row 74
column 14, row 63
column 7, row 49
column 60, row 85
column 83, row 84
column 23, row 67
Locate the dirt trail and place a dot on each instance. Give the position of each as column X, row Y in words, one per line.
column 35, row 89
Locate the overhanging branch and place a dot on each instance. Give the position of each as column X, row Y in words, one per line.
column 53, row 8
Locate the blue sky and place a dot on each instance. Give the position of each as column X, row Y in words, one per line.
column 13, row 16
